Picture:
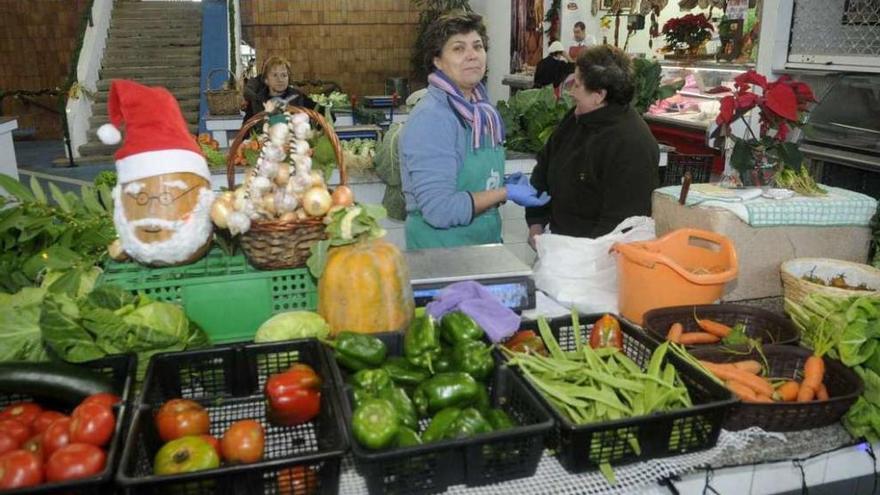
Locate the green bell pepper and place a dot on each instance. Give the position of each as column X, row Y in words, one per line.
column 406, row 411
column 457, row 328
column 421, row 344
column 404, row 373
column 372, row 381
column 407, row 437
column 375, row 423
column 358, row 396
column 469, row 423
column 482, row 401
column 445, row 390
column 357, row 351
column 443, row 361
column 499, row 419
column 440, row 423
column 474, row 358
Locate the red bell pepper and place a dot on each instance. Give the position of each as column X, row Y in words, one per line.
column 606, row 333
column 526, row 341
column 294, row 396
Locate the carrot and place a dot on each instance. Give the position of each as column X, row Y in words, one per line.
column 814, row 372
column 787, row 392
column 755, row 382
column 743, row 392
column 805, row 393
column 674, row 332
column 822, row 393
column 764, row 399
column 713, row 327
column 691, row 338
column 749, row 366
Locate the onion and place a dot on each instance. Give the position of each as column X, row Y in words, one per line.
column 343, row 196
column 316, row 178
column 239, row 223
column 268, row 203
column 316, row 201
column 220, row 211
column 288, row 217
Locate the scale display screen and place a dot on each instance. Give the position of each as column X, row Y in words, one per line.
column 518, row 294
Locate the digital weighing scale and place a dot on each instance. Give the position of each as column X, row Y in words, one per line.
column 492, row 265
column 348, row 132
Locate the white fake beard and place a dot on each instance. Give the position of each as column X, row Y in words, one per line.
column 188, row 235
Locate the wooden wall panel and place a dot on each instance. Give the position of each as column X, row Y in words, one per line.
column 36, row 41
column 356, row 43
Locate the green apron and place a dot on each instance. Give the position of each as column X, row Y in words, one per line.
column 483, row 169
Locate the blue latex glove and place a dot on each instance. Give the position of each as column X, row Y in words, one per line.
column 526, row 195
column 516, row 178
column 471, row 298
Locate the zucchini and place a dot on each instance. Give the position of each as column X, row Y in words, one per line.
column 58, row 381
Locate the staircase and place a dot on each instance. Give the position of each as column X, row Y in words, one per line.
column 157, row 43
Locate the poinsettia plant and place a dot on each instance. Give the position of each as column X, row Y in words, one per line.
column 688, row 31
column 781, row 105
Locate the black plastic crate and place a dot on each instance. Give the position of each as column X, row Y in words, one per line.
column 229, row 382
column 478, row 460
column 585, row 447
column 700, row 167
column 121, row 370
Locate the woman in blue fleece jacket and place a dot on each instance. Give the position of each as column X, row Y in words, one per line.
column 451, row 147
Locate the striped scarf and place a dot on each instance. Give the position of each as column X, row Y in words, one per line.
column 480, row 114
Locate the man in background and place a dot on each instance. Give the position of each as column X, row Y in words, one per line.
column 581, row 40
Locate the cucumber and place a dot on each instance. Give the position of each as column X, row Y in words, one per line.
column 58, row 381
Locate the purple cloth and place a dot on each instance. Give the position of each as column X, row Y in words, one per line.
column 474, row 300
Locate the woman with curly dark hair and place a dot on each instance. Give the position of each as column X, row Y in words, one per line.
column 451, row 147
column 600, row 164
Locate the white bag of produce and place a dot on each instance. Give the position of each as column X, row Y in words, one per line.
column 580, row 273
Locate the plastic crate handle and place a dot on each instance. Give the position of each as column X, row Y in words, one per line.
column 648, row 254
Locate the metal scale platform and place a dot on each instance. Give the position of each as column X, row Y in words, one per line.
column 492, row 265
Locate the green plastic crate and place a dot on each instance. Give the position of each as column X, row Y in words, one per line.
column 223, row 294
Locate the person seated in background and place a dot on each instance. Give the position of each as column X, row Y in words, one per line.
column 600, row 164
column 273, row 82
column 553, row 69
column 581, row 41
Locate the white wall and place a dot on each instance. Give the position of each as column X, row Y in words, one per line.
column 496, row 15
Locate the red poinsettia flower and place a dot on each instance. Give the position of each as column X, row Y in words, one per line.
column 781, row 100
column 728, row 108
column 744, row 80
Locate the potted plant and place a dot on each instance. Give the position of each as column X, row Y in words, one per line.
column 781, row 105
column 687, row 33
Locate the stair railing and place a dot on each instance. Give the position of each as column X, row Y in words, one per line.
column 82, row 85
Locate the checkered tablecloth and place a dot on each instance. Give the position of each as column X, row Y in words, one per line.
column 839, row 207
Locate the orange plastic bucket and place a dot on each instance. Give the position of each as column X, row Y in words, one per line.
column 686, row 266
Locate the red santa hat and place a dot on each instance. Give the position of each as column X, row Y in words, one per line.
column 157, row 140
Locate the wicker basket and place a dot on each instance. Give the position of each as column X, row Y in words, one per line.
column 786, row 361
column 797, row 289
column 223, row 101
column 276, row 244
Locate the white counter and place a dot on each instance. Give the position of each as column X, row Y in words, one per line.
column 8, row 164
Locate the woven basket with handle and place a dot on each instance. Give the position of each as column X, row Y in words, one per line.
column 797, row 289
column 276, row 244
column 223, row 101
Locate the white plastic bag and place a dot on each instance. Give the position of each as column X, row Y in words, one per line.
column 580, row 273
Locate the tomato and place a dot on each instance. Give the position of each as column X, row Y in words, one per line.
column 211, row 439
column 298, row 480
column 23, row 412
column 105, row 398
column 92, row 423
column 76, row 461
column 243, row 442
column 181, row 417
column 8, row 443
column 606, row 333
column 15, row 429
column 185, row 455
column 20, row 468
column 45, row 419
column 34, row 445
column 57, row 435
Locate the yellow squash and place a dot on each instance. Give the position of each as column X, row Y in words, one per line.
column 366, row 288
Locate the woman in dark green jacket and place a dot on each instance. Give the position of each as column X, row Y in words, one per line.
column 600, row 164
